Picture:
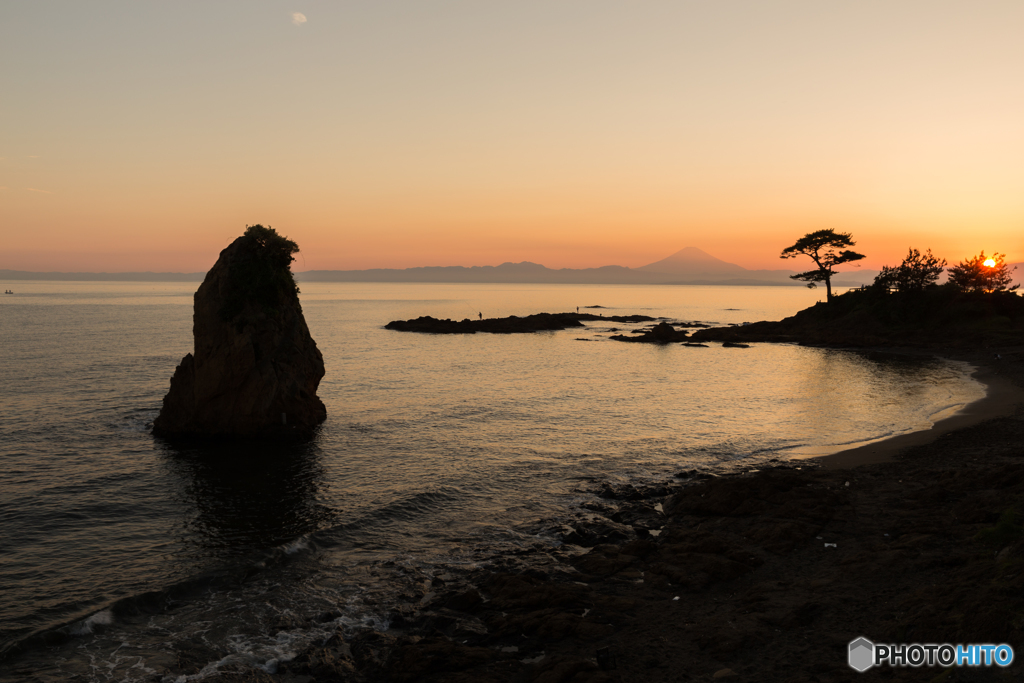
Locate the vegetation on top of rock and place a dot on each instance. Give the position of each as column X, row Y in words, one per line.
column 977, row 274
column 915, row 273
column 262, row 272
column 823, row 247
column 983, row 274
column 277, row 249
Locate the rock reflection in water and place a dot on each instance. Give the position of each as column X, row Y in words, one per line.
column 251, row 495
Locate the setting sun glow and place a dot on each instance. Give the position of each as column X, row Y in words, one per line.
column 990, row 263
column 578, row 134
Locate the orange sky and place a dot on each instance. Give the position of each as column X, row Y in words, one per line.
column 145, row 136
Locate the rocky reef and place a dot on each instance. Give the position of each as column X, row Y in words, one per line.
column 513, row 324
column 255, row 368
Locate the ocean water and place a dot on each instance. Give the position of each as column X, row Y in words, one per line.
column 118, row 551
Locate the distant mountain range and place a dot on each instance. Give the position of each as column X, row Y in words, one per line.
column 689, row 266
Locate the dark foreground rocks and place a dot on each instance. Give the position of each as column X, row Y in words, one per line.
column 537, row 322
column 255, row 369
column 762, row 576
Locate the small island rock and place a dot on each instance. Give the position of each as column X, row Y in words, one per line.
column 662, row 333
column 255, row 369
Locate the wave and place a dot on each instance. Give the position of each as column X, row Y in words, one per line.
column 157, row 601
column 89, row 624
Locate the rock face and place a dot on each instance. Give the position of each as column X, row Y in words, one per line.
column 255, row 369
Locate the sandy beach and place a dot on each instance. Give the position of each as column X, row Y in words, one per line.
column 1004, row 386
column 761, row 576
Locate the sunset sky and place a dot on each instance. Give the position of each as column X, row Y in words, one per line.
column 573, row 133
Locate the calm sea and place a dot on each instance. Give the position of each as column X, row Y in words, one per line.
column 439, row 453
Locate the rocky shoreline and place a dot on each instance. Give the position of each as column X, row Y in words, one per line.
column 938, row 317
column 758, row 575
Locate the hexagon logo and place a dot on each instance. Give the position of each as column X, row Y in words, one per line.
column 862, row 654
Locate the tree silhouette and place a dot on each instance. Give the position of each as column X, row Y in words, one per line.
column 973, row 275
column 822, row 246
column 915, row 273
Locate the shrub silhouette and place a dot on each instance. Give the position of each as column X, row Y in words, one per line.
column 973, row 275
column 915, row 273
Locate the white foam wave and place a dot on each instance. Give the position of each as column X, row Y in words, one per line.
column 942, row 412
column 367, row 621
column 244, row 660
column 87, row 625
column 296, row 546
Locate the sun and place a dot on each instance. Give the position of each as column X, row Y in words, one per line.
column 990, row 263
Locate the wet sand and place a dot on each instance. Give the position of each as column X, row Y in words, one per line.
column 758, row 576
column 1004, row 394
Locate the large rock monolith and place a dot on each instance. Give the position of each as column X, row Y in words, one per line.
column 255, row 368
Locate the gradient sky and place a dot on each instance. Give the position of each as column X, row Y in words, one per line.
column 573, row 133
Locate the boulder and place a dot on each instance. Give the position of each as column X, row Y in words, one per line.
column 255, row 368
column 662, row 333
